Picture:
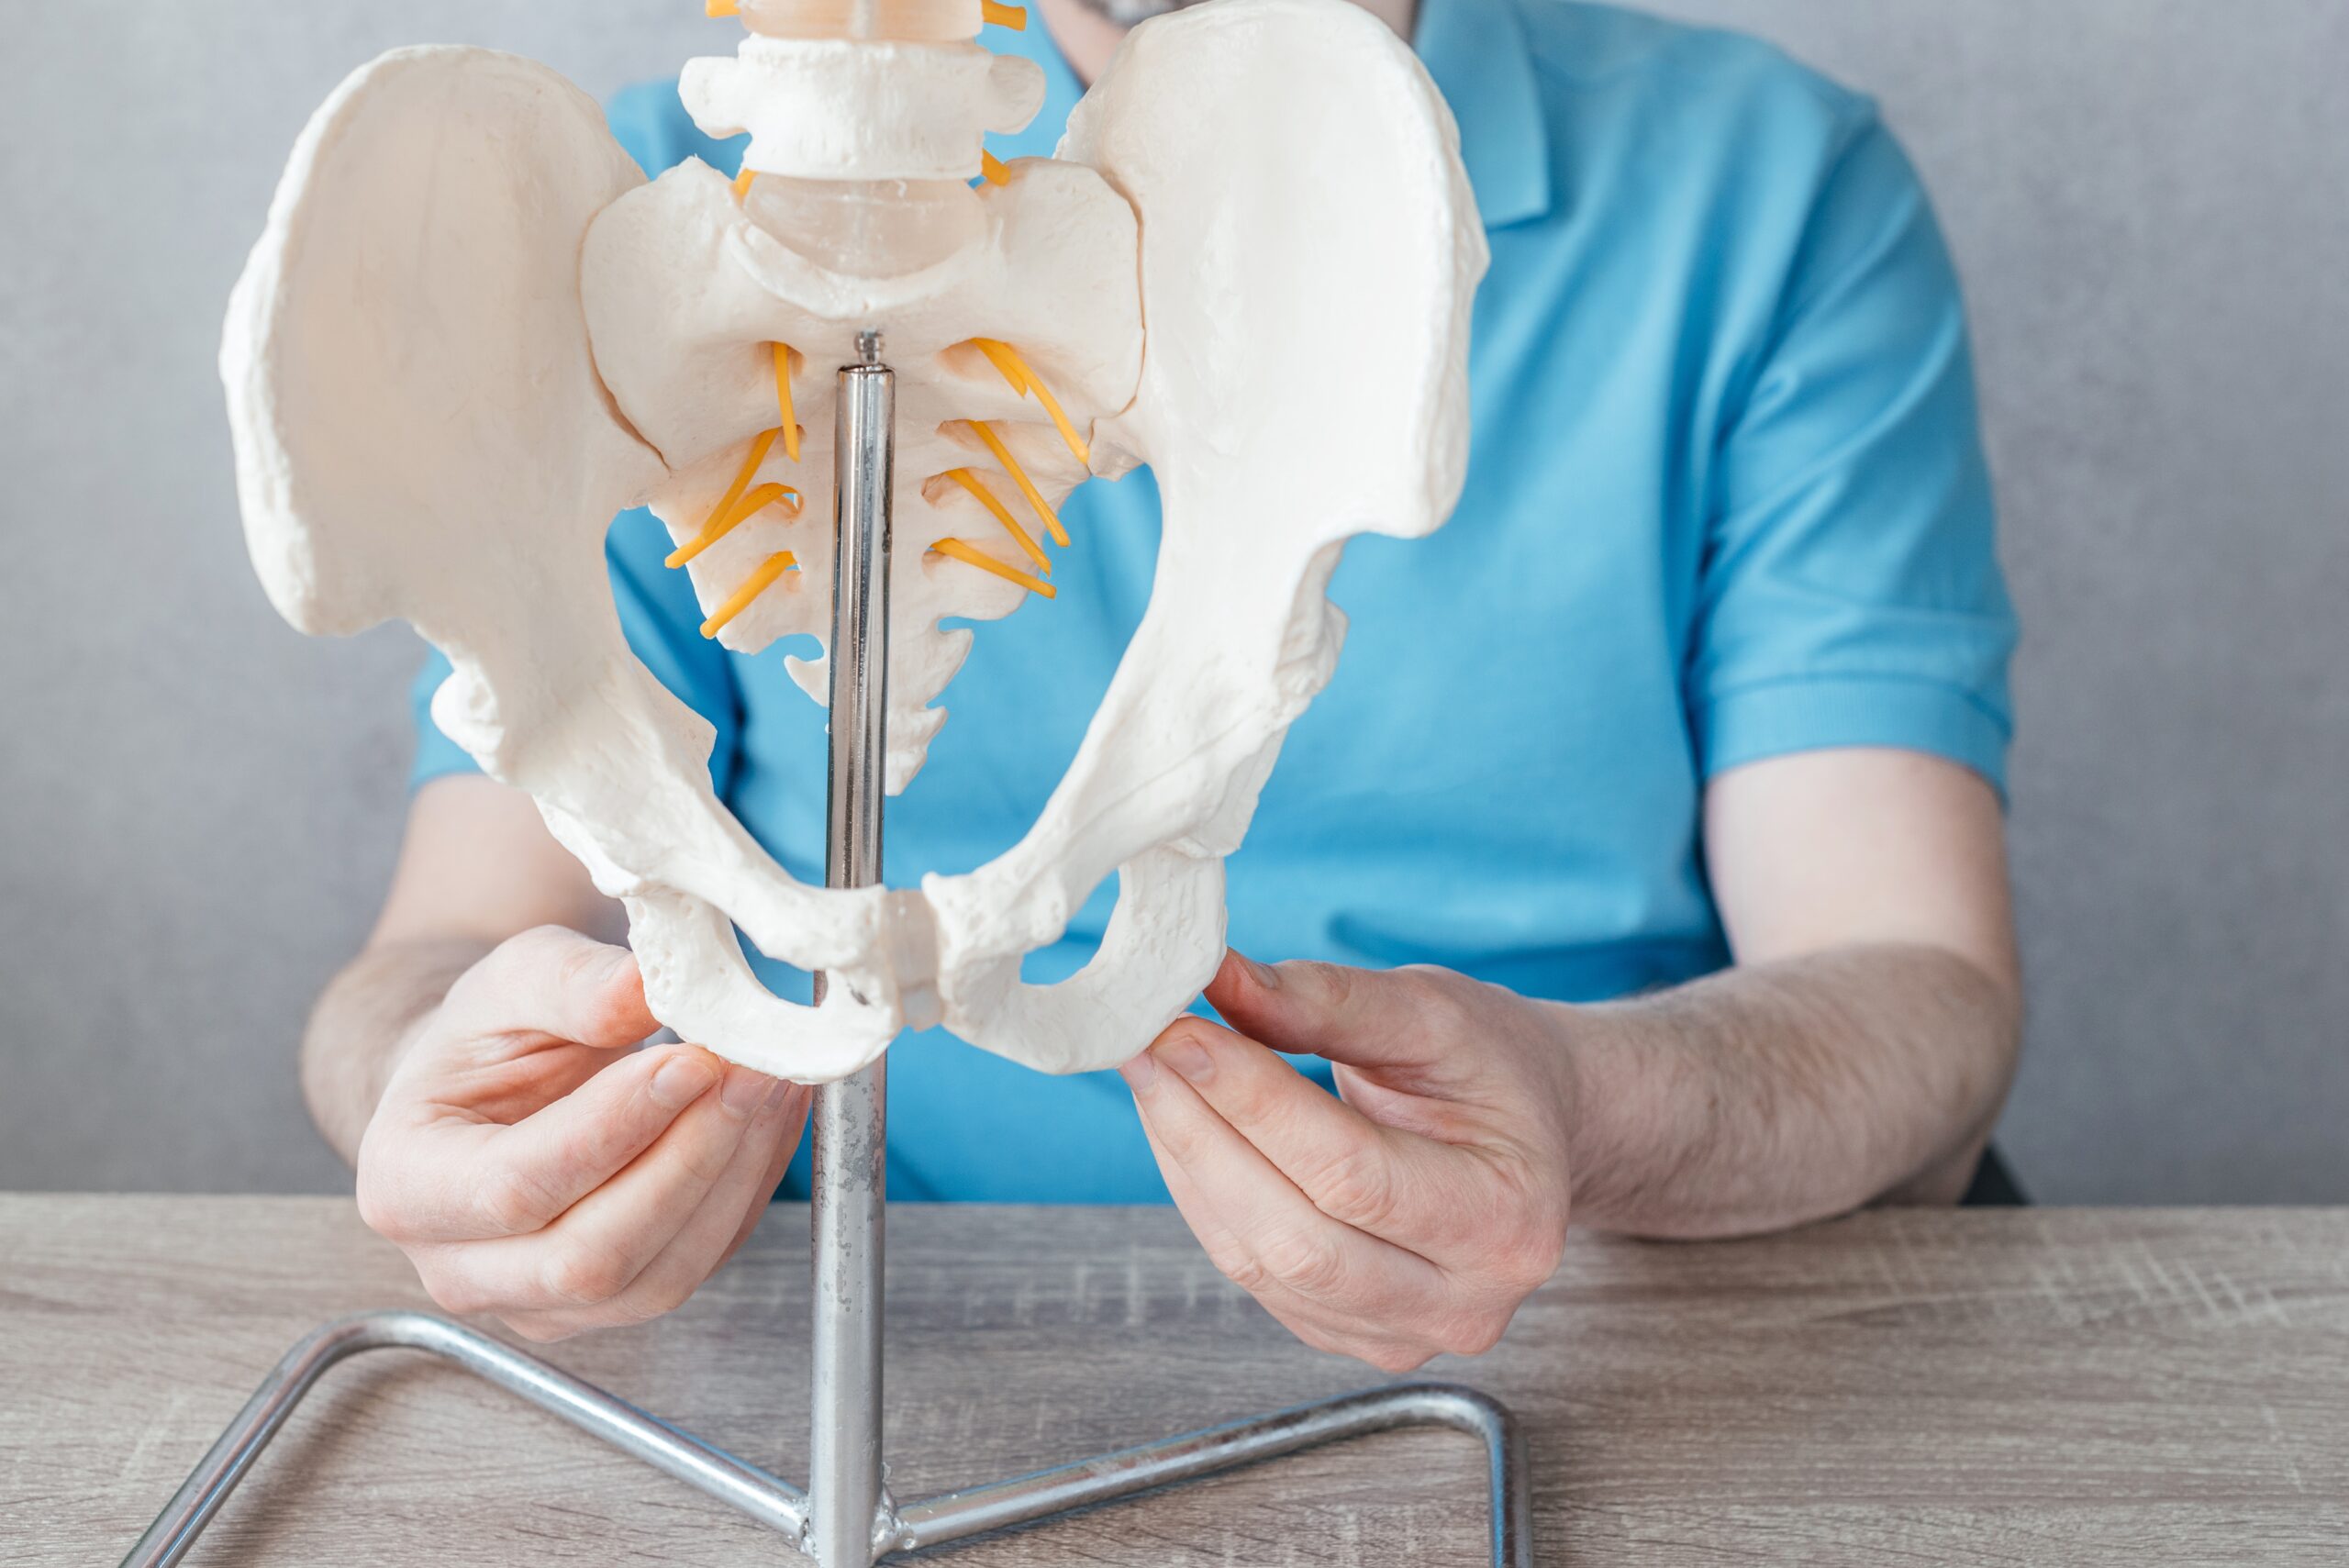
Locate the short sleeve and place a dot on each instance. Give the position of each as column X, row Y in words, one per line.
column 1850, row 591
column 663, row 623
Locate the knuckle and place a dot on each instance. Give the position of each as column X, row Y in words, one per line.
column 512, row 1202
column 1305, row 1259
column 380, row 1208
column 1440, row 996
column 1532, row 1242
column 584, row 975
column 1333, row 983
column 1234, row 1262
column 1245, row 1270
column 1251, row 1101
column 582, row 1275
column 1192, row 1030
column 1536, row 1255
column 452, row 1292
column 541, row 1331
column 1396, row 1360
column 547, row 944
column 1356, row 1187
column 1473, row 1333
column 667, row 1299
column 517, row 956
column 1186, row 1143
column 1393, row 1357
column 706, row 1166
column 629, row 1311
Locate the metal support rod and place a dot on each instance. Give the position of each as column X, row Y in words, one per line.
column 774, row 1503
column 847, row 1508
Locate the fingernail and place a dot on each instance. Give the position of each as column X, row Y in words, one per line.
column 1140, row 1072
column 681, row 1080
column 1187, row 1057
column 775, row 1097
column 745, row 1092
column 1264, row 975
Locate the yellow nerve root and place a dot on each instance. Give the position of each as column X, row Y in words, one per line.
column 955, row 550
column 750, row 505
column 1012, row 16
column 783, row 401
column 1019, row 477
column 1024, row 380
column 722, row 8
column 758, row 449
column 1019, row 536
column 744, row 596
column 992, row 167
column 742, row 183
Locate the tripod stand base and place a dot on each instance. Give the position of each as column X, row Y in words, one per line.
column 782, row 1507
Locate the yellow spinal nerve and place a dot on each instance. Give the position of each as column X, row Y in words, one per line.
column 759, row 582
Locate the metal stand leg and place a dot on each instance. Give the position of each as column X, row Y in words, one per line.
column 846, row 1519
column 773, row 1502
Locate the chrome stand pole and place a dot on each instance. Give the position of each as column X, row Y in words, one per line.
column 845, row 1519
column 849, row 1509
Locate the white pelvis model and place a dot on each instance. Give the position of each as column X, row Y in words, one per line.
column 473, row 333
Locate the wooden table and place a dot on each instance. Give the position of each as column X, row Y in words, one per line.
column 2033, row 1386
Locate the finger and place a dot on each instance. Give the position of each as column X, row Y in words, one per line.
column 549, row 984
column 1396, row 1185
column 440, row 1180
column 707, row 1237
column 735, row 1203
column 795, row 1127
column 1310, row 1323
column 604, row 1241
column 1361, row 1017
column 1283, row 1239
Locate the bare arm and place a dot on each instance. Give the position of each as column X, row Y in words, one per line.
column 1858, row 1052
column 1863, row 1044
column 476, row 1064
column 477, row 867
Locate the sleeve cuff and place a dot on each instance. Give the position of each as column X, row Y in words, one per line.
column 1820, row 714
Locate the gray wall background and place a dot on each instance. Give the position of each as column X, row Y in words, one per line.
column 2149, row 199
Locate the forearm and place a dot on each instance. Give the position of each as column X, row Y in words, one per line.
column 364, row 1020
column 1771, row 1095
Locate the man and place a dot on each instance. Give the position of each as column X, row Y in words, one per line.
column 1641, row 868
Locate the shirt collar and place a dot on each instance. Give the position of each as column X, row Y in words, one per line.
column 1477, row 52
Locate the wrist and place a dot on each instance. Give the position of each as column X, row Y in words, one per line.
column 366, row 1024
column 1607, row 1065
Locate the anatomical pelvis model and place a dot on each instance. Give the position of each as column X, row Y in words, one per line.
column 473, row 333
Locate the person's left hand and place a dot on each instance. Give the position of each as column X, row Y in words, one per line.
column 1409, row 1218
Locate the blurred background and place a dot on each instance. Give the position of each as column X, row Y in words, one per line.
column 2149, row 200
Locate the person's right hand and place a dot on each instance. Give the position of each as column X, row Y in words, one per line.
column 536, row 1167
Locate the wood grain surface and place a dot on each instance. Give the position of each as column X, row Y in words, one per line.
column 2030, row 1386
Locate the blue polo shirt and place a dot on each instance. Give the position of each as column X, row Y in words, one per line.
column 1726, row 501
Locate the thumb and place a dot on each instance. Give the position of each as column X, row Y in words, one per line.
column 552, row 985
column 1363, row 1018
